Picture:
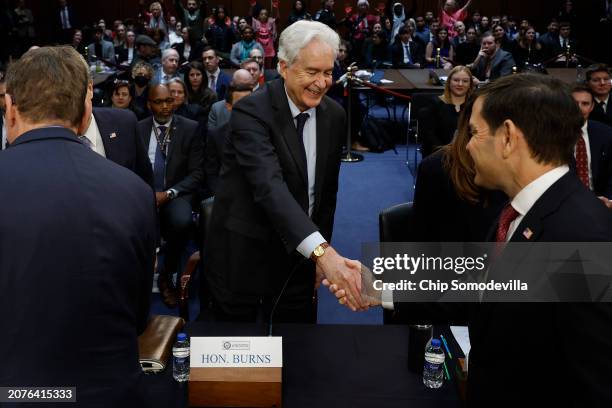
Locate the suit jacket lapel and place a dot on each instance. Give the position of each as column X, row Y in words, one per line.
column 323, row 141
column 287, row 126
column 174, row 131
column 105, row 132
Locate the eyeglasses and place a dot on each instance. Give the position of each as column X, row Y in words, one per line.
column 167, row 101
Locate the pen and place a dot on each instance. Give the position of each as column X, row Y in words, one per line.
column 448, row 377
column 446, row 347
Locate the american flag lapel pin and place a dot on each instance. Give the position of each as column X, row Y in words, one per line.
column 528, row 233
column 113, row 135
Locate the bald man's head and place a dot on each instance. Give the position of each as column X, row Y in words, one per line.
column 160, row 103
column 243, row 77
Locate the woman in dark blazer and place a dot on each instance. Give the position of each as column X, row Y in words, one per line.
column 438, row 121
column 191, row 47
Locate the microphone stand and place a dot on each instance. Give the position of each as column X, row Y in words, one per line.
column 350, row 157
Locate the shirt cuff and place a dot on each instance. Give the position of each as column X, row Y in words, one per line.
column 387, row 300
column 308, row 245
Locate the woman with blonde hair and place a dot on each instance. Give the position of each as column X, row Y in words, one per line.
column 438, row 121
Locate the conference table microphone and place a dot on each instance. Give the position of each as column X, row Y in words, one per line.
column 280, row 294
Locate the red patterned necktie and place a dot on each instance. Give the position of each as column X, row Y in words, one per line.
column 508, row 215
column 582, row 162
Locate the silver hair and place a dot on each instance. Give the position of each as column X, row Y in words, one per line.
column 179, row 81
column 166, row 53
column 299, row 34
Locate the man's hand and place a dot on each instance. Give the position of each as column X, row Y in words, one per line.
column 161, row 198
column 342, row 272
column 607, row 202
column 369, row 296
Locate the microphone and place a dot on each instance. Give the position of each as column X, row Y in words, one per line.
column 280, row 294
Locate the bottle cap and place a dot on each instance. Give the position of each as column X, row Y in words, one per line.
column 181, row 337
column 435, row 343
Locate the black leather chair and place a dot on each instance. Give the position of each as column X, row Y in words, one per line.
column 194, row 260
column 395, row 224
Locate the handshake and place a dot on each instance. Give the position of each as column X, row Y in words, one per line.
column 348, row 280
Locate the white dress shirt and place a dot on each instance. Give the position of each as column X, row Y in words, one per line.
column 308, row 245
column 605, row 103
column 95, row 139
column 153, row 141
column 522, row 203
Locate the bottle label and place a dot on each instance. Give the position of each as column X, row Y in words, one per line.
column 432, row 366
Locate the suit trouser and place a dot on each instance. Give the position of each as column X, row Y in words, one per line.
column 176, row 225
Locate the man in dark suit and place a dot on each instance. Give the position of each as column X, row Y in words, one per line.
column 65, row 22
column 175, row 152
column 100, row 49
column 562, row 49
column 598, row 79
column 526, row 153
column 112, row 133
column 593, row 148
column 217, row 136
column 492, row 62
column 408, row 52
column 216, row 79
column 220, row 111
column 274, row 208
column 77, row 244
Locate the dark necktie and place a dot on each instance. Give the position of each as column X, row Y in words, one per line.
column 602, row 105
column 159, row 166
column 301, row 121
column 582, row 162
column 508, row 215
column 407, row 59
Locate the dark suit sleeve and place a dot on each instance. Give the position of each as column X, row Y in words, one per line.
column 212, row 164
column 195, row 170
column 258, row 159
column 146, row 275
column 142, row 164
column 506, row 65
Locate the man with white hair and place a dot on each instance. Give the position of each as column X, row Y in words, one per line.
column 275, row 204
column 169, row 67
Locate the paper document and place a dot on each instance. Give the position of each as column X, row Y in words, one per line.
column 462, row 335
column 386, row 81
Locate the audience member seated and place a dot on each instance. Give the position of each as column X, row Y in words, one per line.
column 422, row 31
column 485, row 25
column 298, row 12
column 408, row 52
column 439, row 53
column 598, row 79
column 142, row 73
column 219, row 35
column 77, row 42
column 466, row 52
column 190, row 48
column 100, row 50
column 474, row 21
column 551, row 37
column 219, row 113
column 240, row 50
column 157, row 19
column 438, row 121
column 197, row 91
column 119, row 36
column 217, row 136
column 502, row 40
column 176, row 34
column 217, row 80
column 492, row 62
column 461, row 35
column 122, row 95
column 593, row 151
column 399, row 17
column 376, row 52
column 158, row 35
column 181, row 105
column 527, row 50
column 175, row 152
column 127, row 51
column 252, row 66
column 146, row 51
column 169, row 68
column 562, row 52
column 326, row 14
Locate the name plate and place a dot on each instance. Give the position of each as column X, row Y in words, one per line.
column 236, row 352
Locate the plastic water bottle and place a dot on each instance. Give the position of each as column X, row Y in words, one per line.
column 433, row 370
column 180, row 360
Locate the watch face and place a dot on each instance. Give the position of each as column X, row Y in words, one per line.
column 319, row 251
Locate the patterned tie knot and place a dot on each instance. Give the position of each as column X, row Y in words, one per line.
column 301, row 119
column 508, row 215
column 162, row 129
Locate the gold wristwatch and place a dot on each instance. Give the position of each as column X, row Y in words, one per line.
column 319, row 251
